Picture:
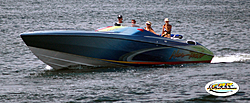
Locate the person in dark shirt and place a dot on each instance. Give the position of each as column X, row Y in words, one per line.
column 119, row 23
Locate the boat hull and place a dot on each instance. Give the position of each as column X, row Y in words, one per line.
column 64, row 50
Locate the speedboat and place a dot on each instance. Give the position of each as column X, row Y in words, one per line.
column 113, row 46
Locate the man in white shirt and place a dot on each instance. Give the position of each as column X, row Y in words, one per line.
column 134, row 23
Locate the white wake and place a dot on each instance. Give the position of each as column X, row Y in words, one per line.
column 231, row 58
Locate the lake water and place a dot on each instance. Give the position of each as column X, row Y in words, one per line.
column 222, row 26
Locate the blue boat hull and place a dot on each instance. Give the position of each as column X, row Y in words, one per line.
column 62, row 49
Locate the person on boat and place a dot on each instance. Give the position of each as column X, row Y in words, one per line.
column 149, row 28
column 134, row 23
column 166, row 29
column 119, row 23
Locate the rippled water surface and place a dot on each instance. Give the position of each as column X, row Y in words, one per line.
column 220, row 25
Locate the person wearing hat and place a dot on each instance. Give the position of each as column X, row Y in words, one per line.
column 119, row 23
column 166, row 29
column 149, row 28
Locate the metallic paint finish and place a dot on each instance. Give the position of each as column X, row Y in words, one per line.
column 129, row 46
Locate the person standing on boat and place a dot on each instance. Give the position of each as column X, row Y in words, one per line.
column 149, row 28
column 166, row 29
column 134, row 23
column 119, row 23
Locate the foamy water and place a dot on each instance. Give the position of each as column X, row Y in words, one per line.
column 231, row 58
